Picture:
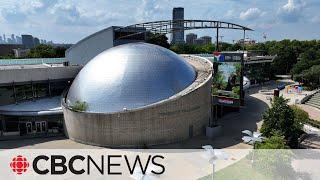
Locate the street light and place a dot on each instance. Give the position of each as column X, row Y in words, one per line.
column 212, row 155
column 252, row 138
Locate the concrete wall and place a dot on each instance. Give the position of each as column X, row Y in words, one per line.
column 165, row 122
column 8, row 76
column 89, row 47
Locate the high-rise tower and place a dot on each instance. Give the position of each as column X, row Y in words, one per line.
column 178, row 28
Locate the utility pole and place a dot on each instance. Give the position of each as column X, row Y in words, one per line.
column 241, row 71
column 217, row 40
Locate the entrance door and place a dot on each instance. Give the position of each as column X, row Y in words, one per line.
column 29, row 127
column 38, row 127
column 43, row 126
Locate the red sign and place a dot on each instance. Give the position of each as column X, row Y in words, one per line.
column 225, row 101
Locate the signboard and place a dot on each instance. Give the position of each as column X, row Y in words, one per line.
column 227, row 78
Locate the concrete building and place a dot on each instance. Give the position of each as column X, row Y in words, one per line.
column 19, row 40
column 139, row 94
column 198, row 41
column 87, row 48
column 247, row 41
column 206, row 39
column 190, row 38
column 178, row 28
column 30, row 99
column 27, row 41
column 36, row 41
column 13, row 39
column 18, row 53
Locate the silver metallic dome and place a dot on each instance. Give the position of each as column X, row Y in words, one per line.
column 130, row 76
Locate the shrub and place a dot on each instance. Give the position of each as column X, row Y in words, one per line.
column 274, row 142
column 79, row 106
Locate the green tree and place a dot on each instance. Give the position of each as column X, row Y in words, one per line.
column 42, row 51
column 158, row 39
column 300, row 116
column 280, row 119
column 306, row 60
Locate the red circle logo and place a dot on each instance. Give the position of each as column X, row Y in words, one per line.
column 19, row 164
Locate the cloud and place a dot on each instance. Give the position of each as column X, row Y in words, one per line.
column 251, row 13
column 315, row 19
column 150, row 9
column 78, row 14
column 292, row 11
column 17, row 12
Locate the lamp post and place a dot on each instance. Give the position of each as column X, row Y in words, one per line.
column 251, row 138
column 212, row 155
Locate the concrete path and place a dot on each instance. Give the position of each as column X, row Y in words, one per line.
column 313, row 112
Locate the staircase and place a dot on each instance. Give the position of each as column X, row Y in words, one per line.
column 314, row 100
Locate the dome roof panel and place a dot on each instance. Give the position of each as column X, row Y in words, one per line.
column 130, row 76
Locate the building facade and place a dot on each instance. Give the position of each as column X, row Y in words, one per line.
column 206, row 39
column 178, row 28
column 87, row 48
column 27, row 41
column 36, row 41
column 190, row 38
column 30, row 99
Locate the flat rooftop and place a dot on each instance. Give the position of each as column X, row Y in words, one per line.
column 30, row 66
column 45, row 106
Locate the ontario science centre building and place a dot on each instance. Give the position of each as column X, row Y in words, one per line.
column 139, row 94
column 115, row 90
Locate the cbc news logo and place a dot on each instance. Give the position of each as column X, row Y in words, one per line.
column 19, row 164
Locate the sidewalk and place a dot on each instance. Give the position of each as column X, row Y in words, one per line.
column 313, row 112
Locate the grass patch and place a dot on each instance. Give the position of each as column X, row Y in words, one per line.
column 239, row 170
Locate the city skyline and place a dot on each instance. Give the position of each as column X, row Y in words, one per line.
column 70, row 21
column 17, row 39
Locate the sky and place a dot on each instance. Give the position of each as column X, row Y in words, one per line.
column 68, row 21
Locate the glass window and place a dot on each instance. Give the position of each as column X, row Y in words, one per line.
column 23, row 92
column 6, row 95
column 58, row 87
column 11, row 123
column 41, row 90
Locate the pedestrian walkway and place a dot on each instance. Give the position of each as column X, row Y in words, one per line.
column 313, row 112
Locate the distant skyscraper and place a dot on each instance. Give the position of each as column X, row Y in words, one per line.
column 36, row 41
column 1, row 41
column 199, row 41
column 190, row 38
column 4, row 38
column 178, row 28
column 206, row 39
column 27, row 41
column 13, row 40
column 19, row 40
